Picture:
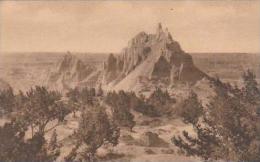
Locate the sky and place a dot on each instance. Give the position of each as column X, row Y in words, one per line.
column 107, row 26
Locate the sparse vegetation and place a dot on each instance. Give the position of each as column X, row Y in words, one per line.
column 95, row 129
column 121, row 105
column 159, row 103
column 81, row 97
column 14, row 147
column 41, row 107
column 7, row 101
column 34, row 111
column 190, row 109
column 53, row 145
column 228, row 130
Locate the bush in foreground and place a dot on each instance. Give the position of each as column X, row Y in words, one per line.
column 95, row 129
column 228, row 130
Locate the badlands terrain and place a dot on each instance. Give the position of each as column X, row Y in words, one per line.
column 23, row 70
column 148, row 62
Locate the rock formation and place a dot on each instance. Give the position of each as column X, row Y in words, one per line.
column 68, row 73
column 150, row 58
column 148, row 61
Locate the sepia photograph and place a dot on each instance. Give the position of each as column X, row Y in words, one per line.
column 130, row 81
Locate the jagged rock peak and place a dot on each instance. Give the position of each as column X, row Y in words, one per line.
column 70, row 61
column 159, row 29
column 143, row 38
column 155, row 57
column 66, row 61
column 111, row 63
column 163, row 34
column 139, row 39
column 159, row 26
column 69, row 71
column 68, row 57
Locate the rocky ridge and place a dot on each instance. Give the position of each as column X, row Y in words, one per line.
column 150, row 58
column 69, row 72
column 149, row 61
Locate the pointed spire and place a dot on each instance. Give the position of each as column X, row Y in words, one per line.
column 159, row 28
column 168, row 34
column 159, row 31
